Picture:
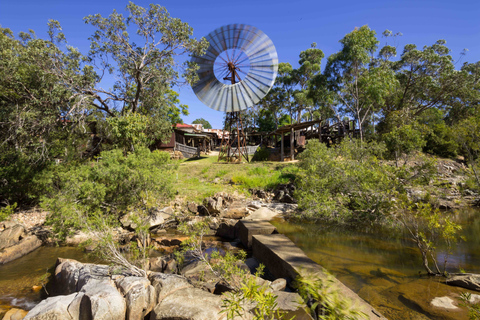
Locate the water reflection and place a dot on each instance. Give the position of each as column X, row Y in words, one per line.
column 384, row 266
column 18, row 277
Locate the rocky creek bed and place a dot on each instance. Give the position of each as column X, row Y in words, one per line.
column 222, row 212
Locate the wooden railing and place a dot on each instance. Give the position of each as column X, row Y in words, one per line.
column 187, row 151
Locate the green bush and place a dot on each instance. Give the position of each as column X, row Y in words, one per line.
column 403, row 140
column 17, row 175
column 81, row 194
column 346, row 183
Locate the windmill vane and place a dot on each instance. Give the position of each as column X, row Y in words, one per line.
column 245, row 58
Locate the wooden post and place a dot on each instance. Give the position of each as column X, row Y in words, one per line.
column 282, row 156
column 292, row 149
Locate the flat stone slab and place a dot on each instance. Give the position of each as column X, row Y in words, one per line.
column 285, row 260
column 248, row 228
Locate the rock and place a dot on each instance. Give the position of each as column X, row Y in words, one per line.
column 468, row 281
column 11, row 236
column 255, row 205
column 15, row 314
column 288, row 301
column 194, row 268
column 165, row 284
column 279, row 284
column 59, row 307
column 188, row 304
column 212, row 207
column 139, row 296
column 157, row 264
column 203, row 211
column 227, row 229
column 26, row 245
column 283, row 208
column 262, row 214
column 154, row 220
column 102, row 301
column 192, row 207
column 236, row 210
column 78, row 238
column 443, row 302
column 252, row 264
column 127, row 222
column 8, row 224
column 66, row 276
column 93, row 273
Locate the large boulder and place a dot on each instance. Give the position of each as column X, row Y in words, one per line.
column 66, row 276
column 263, row 213
column 26, row 245
column 165, row 284
column 236, row 210
column 15, row 314
column 189, row 304
column 11, row 236
column 139, row 296
column 102, row 301
column 59, row 307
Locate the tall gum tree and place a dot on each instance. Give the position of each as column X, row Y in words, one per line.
column 359, row 87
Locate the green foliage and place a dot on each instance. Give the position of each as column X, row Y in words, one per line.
column 468, row 137
column 250, row 292
column 328, row 302
column 472, row 307
column 145, row 69
column 427, row 227
column 439, row 137
column 226, row 267
column 206, row 124
column 83, row 194
column 345, row 183
column 403, row 140
column 260, row 178
column 7, row 211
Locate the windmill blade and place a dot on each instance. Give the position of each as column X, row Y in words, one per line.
column 242, row 45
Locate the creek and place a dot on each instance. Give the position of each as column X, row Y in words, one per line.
column 381, row 265
column 384, row 267
column 18, row 277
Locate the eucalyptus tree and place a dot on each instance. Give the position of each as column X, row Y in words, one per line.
column 143, row 64
column 205, row 123
column 33, row 105
column 310, row 66
column 359, row 86
column 427, row 79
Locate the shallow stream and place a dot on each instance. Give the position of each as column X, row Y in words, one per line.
column 384, row 267
column 17, row 278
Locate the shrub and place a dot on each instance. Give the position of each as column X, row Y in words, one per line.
column 92, row 196
column 401, row 141
column 345, row 183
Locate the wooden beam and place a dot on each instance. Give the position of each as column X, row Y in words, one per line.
column 282, row 156
column 292, row 149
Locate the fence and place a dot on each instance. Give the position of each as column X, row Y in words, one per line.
column 187, row 151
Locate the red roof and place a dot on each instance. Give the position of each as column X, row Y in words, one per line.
column 183, row 125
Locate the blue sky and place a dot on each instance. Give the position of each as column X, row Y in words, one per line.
column 292, row 25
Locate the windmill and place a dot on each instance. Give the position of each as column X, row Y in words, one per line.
column 236, row 72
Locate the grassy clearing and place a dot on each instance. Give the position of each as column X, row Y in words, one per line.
column 196, row 177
